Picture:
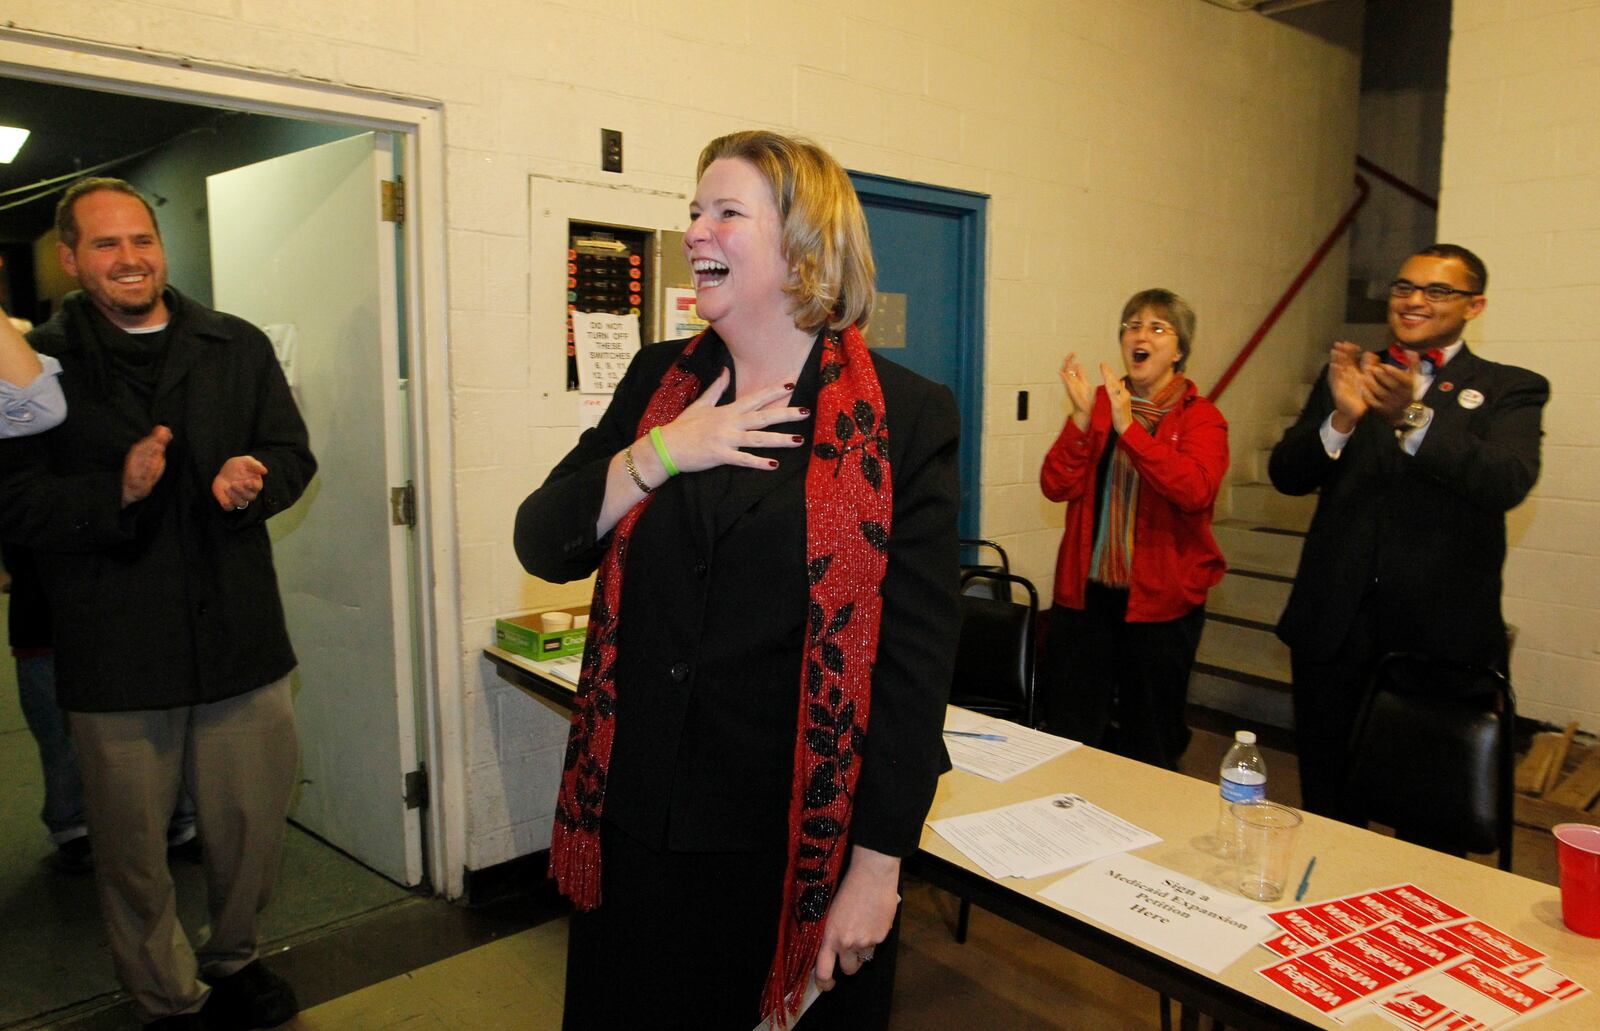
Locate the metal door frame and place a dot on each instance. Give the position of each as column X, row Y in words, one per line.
column 418, row 125
column 971, row 210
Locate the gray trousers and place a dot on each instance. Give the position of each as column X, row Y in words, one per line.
column 238, row 758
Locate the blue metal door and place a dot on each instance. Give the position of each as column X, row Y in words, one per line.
column 928, row 243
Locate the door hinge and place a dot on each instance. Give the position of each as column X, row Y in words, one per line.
column 417, row 788
column 403, row 505
column 394, row 200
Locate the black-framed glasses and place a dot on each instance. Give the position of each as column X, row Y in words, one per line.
column 1156, row 328
column 1432, row 291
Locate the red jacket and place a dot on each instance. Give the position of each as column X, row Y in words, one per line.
column 1175, row 559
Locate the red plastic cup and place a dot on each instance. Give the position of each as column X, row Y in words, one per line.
column 1578, row 852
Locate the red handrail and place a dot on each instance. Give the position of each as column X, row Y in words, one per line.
column 1427, row 200
column 1294, row 288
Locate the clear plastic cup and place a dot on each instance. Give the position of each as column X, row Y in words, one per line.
column 1578, row 854
column 1264, row 839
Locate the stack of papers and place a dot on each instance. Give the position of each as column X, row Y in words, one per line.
column 997, row 749
column 1044, row 836
column 1416, row 960
column 568, row 667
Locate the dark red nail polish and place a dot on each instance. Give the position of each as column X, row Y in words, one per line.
column 805, row 411
column 798, row 439
column 788, row 386
column 773, row 462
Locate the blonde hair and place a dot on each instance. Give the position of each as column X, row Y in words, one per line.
column 825, row 240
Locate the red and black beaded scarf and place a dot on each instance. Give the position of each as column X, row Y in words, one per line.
column 848, row 508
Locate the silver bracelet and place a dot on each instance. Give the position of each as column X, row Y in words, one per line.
column 633, row 470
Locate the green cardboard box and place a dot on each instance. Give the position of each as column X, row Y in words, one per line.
column 522, row 635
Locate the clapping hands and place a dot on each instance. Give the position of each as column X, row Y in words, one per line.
column 239, row 482
column 1360, row 382
column 1080, row 395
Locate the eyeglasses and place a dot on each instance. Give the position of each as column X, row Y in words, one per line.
column 1159, row 329
column 1432, row 291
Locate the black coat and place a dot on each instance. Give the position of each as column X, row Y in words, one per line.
column 171, row 600
column 1425, row 534
column 713, row 618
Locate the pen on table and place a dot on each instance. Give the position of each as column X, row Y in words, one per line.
column 975, row 734
column 1305, row 880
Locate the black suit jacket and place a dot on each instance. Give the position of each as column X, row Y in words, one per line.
column 1425, row 535
column 713, row 620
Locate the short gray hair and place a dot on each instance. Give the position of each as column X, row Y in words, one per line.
column 1171, row 307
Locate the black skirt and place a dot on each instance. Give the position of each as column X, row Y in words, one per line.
column 685, row 940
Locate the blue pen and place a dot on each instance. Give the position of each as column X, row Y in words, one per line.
column 1305, row 880
column 975, row 734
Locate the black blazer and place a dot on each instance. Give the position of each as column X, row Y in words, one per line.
column 1424, row 534
column 713, row 619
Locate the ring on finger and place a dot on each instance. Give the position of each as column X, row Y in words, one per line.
column 863, row 956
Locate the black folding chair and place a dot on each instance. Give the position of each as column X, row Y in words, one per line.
column 994, row 659
column 995, row 655
column 1432, row 754
column 974, row 548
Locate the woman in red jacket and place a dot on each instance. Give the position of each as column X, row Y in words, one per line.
column 1139, row 463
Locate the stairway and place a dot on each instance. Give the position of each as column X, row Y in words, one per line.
column 1242, row 669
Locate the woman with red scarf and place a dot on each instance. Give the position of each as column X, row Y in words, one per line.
column 770, row 510
column 1139, row 463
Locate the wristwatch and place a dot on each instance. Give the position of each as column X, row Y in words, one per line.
column 1415, row 416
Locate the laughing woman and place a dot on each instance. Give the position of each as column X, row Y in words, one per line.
column 1139, row 463
column 757, row 734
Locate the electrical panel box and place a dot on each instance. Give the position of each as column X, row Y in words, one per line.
column 610, row 269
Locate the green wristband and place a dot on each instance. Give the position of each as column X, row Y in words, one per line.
column 661, row 451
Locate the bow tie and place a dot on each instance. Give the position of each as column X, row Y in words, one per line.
column 1433, row 356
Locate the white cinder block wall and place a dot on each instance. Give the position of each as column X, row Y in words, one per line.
column 1521, row 186
column 1125, row 144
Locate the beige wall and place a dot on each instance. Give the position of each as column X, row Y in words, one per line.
column 1521, row 186
column 1125, row 144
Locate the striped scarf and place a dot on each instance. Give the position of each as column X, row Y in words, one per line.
column 849, row 501
column 1111, row 563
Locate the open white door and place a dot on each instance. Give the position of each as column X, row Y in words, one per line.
column 299, row 241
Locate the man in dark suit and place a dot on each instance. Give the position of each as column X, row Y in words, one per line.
column 1418, row 453
column 146, row 511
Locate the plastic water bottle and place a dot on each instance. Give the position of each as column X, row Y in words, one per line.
column 1243, row 779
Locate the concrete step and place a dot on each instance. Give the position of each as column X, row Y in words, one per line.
column 1262, row 505
column 1260, row 465
column 1249, row 649
column 1246, row 594
column 1251, row 545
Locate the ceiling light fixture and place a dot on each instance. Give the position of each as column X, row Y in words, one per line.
column 11, row 141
